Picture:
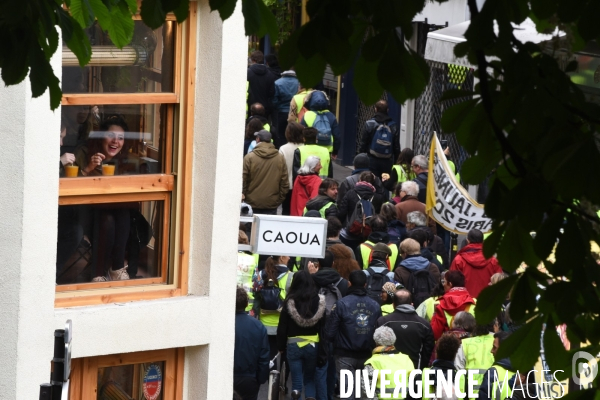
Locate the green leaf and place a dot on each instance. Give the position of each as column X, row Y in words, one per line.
column 82, row 12
column 523, row 298
column 310, row 72
column 490, row 300
column 454, row 116
column 365, row 81
column 133, row 7
column 571, row 248
column 152, row 13
column 453, row 94
column 182, row 11
column 288, row 52
column 491, row 243
column 121, row 28
column 79, row 44
column 475, row 169
column 102, row 14
column 557, row 356
column 259, row 20
column 516, row 246
column 546, row 235
column 523, row 345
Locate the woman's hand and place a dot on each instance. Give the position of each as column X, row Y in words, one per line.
column 385, row 177
column 95, row 160
column 312, row 268
column 67, row 158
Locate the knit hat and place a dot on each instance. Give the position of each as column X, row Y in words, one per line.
column 264, row 135
column 384, row 336
column 383, row 248
column 361, row 161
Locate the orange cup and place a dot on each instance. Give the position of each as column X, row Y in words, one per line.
column 108, row 169
column 71, row 171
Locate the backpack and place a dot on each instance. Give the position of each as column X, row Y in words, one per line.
column 270, row 295
column 375, row 282
column 420, row 283
column 381, row 144
column 323, row 125
column 363, row 211
column 332, row 295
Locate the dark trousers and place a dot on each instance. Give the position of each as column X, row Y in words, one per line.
column 268, row 211
column 287, row 203
column 70, row 233
column 246, row 387
column 114, row 231
column 282, row 124
column 351, row 364
column 380, row 166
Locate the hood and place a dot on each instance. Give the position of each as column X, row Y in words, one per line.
column 364, row 192
column 306, row 322
column 358, row 171
column 259, row 69
column 415, row 263
column 290, row 73
column 406, row 308
column 318, row 101
column 505, row 363
column 455, row 300
column 265, row 150
column 318, row 202
column 356, row 291
column 378, row 265
column 473, row 255
column 379, row 237
column 382, row 118
column 428, row 254
column 306, row 179
column 408, row 198
column 326, row 276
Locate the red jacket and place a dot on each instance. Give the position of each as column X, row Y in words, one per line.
column 476, row 269
column 452, row 302
column 305, row 188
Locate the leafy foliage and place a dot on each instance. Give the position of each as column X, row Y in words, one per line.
column 528, row 128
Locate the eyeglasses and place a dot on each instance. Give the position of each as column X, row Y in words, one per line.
column 413, row 166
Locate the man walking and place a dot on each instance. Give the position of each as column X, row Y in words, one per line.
column 251, row 351
column 420, row 166
column 285, row 88
column 380, row 140
column 261, row 82
column 351, row 324
column 265, row 177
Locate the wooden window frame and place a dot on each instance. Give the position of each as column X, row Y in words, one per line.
column 84, row 376
column 173, row 186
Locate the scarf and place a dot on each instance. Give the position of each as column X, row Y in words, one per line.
column 367, row 184
column 384, row 350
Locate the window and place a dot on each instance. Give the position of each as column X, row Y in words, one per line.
column 145, row 375
column 122, row 217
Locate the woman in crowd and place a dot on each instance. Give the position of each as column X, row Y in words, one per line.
column 253, row 126
column 324, row 202
column 364, row 190
column 396, row 228
column 293, row 134
column 401, row 171
column 299, row 333
column 306, row 184
column 343, row 262
column 426, row 309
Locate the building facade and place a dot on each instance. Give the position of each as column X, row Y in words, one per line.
column 169, row 329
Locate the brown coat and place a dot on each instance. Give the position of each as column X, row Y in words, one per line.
column 265, row 178
column 402, row 274
column 408, row 204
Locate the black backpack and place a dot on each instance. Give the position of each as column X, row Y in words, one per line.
column 270, row 295
column 358, row 222
column 420, row 284
column 375, row 282
column 332, row 295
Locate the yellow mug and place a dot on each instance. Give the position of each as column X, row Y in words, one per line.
column 108, row 169
column 71, row 171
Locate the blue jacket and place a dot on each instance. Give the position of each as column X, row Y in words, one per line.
column 286, row 87
column 251, row 352
column 351, row 324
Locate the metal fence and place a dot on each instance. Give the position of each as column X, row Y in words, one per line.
column 429, row 108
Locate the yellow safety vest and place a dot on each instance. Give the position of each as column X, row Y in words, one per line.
column 500, row 387
column 392, row 362
column 366, row 249
column 245, row 272
column 430, row 390
column 315, row 150
column 387, row 309
column 453, row 168
column 430, row 304
column 310, row 118
column 478, row 356
column 267, row 127
column 299, row 100
column 402, row 175
column 321, row 210
column 272, row 318
column 470, row 309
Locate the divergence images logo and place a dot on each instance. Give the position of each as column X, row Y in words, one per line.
column 587, row 370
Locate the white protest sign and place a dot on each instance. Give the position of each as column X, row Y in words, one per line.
column 279, row 235
column 448, row 203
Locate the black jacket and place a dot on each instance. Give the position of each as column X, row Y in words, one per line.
column 414, row 336
column 319, row 202
column 370, row 128
column 327, row 276
column 421, row 180
column 436, row 245
column 251, row 352
column 348, row 203
column 351, row 181
column 351, row 324
column 431, row 257
column 292, row 324
column 261, row 88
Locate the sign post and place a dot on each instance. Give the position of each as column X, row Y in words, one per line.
column 279, row 235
